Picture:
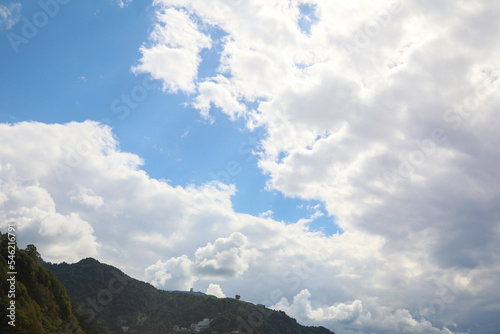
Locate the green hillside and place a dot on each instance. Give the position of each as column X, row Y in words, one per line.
column 105, row 300
column 41, row 302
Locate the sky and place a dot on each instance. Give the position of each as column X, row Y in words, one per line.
column 335, row 160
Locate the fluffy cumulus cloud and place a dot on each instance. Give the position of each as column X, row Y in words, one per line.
column 177, row 271
column 9, row 15
column 215, row 290
column 227, row 257
column 355, row 318
column 301, row 307
column 173, row 56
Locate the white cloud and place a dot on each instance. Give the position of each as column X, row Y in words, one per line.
column 227, row 257
column 215, row 290
column 87, row 197
column 175, row 274
column 301, row 307
column 62, row 237
column 123, row 3
column 9, row 15
column 356, row 318
column 219, row 93
column 267, row 214
column 173, row 56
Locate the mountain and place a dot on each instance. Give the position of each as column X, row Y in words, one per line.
column 105, row 300
column 31, row 298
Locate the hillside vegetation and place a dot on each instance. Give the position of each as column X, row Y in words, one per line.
column 105, row 299
column 41, row 302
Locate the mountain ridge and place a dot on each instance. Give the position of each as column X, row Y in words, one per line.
column 105, row 300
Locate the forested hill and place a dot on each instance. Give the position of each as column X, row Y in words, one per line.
column 38, row 301
column 105, row 300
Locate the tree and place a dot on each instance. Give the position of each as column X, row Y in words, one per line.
column 32, row 252
column 237, row 297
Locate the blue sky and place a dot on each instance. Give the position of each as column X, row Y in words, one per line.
column 79, row 64
column 371, row 205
